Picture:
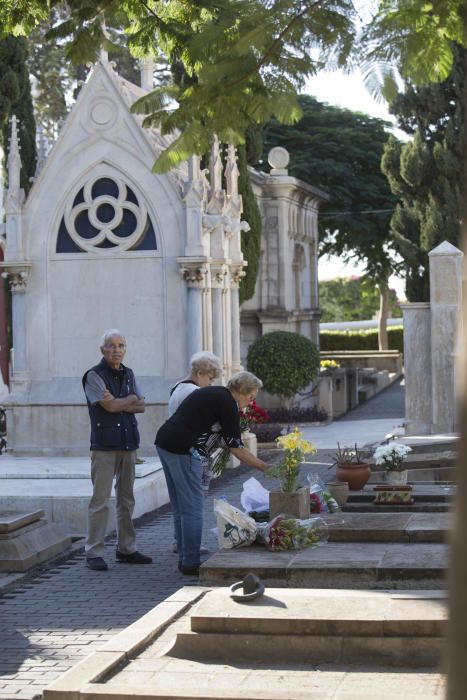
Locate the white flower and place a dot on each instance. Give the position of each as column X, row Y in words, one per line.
column 391, row 456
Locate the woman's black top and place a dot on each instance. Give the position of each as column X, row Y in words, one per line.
column 193, row 425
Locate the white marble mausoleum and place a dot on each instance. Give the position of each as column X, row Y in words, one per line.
column 101, row 241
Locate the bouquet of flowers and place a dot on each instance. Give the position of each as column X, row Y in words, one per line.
column 328, row 364
column 391, row 456
column 282, row 533
column 295, row 449
column 252, row 414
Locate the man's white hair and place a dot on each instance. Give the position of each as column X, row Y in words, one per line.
column 108, row 334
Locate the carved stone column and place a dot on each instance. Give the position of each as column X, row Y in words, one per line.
column 236, row 274
column 194, row 273
column 218, row 275
column 17, row 275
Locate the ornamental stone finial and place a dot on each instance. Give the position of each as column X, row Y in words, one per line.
column 146, row 69
column 41, row 150
column 215, row 166
column 14, row 159
column 103, row 53
column 231, row 171
column 278, row 159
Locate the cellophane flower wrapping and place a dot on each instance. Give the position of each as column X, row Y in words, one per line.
column 321, row 501
column 282, row 534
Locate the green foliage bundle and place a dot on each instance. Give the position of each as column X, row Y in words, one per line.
column 251, row 240
column 15, row 98
column 285, row 362
column 353, row 299
column 360, row 340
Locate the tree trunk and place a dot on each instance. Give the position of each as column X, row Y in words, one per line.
column 383, row 315
column 457, row 627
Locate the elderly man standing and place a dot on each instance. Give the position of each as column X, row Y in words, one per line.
column 113, row 398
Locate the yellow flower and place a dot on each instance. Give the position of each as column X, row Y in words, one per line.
column 294, row 441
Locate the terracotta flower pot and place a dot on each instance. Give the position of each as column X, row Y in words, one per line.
column 356, row 475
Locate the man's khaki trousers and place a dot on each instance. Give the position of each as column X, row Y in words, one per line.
column 104, row 467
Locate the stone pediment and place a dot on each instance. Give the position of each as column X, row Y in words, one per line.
column 102, row 114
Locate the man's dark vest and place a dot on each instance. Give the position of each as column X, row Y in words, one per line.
column 113, row 431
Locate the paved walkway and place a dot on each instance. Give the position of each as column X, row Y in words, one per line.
column 59, row 613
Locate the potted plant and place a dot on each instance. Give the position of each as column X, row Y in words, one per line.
column 351, row 467
column 391, row 458
column 327, row 366
column 290, row 499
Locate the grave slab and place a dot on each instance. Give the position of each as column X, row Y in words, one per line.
column 289, row 645
column 334, row 565
column 28, row 539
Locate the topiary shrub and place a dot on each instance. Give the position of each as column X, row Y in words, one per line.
column 285, row 362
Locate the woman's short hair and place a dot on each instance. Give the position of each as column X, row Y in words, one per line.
column 206, row 363
column 244, row 382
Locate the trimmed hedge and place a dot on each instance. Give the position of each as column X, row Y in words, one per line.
column 285, row 362
column 360, row 340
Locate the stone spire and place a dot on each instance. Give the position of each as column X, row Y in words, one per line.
column 146, row 68
column 103, row 53
column 215, row 166
column 41, row 150
column 231, row 172
column 14, row 161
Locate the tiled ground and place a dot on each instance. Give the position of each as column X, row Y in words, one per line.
column 62, row 612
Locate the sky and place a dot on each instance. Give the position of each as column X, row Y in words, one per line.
column 348, row 90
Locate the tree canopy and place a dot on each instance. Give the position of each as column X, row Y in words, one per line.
column 426, row 172
column 353, row 299
column 250, row 56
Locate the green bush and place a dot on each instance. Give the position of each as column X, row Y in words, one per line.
column 285, row 362
column 360, row 340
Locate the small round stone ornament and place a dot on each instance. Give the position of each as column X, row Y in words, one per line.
column 278, row 158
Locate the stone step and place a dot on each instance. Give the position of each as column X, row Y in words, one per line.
column 370, row 507
column 424, row 460
column 433, row 475
column 388, row 527
column 368, row 565
column 327, row 626
column 323, row 612
column 421, row 492
column 430, row 443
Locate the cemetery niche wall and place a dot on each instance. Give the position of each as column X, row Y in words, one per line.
column 102, row 242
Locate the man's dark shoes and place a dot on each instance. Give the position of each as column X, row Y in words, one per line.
column 189, row 570
column 96, row 563
column 133, row 558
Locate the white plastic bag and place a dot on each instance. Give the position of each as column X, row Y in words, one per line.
column 234, row 528
column 254, row 496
